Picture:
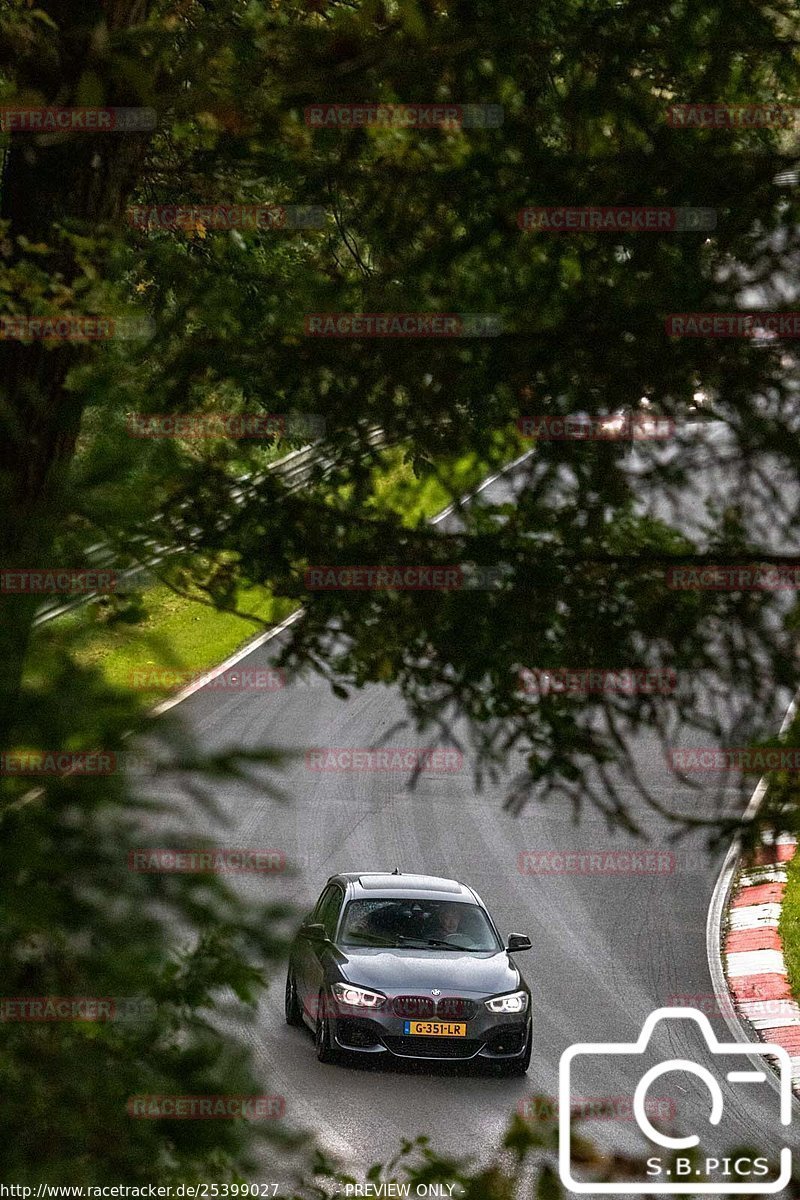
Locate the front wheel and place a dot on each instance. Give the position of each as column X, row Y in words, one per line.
column 291, row 1006
column 323, row 1037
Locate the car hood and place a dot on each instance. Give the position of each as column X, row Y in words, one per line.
column 397, row 972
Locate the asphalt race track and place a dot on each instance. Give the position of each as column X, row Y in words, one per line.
column 608, row 949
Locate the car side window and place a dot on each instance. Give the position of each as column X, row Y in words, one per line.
column 329, row 915
column 319, row 908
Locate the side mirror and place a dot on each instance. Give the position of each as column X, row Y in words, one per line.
column 518, row 941
column 314, row 933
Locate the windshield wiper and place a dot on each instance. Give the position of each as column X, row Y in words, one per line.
column 400, row 939
column 404, row 940
column 370, row 939
column 445, row 945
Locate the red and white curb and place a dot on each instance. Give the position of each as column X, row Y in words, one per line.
column 752, row 952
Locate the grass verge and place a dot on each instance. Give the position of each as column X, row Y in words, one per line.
column 162, row 640
column 789, row 927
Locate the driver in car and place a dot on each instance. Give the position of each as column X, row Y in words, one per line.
column 446, row 921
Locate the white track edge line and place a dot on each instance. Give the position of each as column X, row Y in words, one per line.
column 262, row 638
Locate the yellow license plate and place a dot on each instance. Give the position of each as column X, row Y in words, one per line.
column 436, row 1028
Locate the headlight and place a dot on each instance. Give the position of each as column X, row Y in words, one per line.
column 358, row 997
column 514, row 1002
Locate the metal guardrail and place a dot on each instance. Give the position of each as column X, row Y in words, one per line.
column 295, row 469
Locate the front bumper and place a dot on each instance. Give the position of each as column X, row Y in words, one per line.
column 491, row 1037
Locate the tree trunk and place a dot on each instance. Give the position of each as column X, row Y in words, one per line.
column 83, row 180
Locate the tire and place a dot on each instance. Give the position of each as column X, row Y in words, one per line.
column 326, row 1051
column 292, row 1010
column 518, row 1066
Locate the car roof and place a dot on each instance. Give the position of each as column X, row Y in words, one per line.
column 427, row 887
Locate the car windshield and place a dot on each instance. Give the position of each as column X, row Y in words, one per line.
column 421, row 924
